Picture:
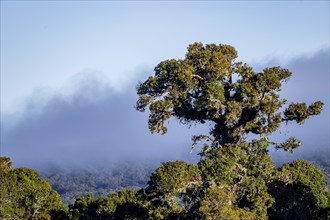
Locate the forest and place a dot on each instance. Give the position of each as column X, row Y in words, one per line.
column 73, row 183
column 235, row 177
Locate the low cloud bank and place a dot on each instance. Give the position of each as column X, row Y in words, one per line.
column 93, row 125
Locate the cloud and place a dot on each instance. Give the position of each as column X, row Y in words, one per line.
column 93, row 124
column 97, row 124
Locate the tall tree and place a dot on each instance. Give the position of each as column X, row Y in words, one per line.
column 238, row 179
column 25, row 195
column 208, row 85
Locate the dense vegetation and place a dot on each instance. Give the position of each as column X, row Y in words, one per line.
column 165, row 183
column 72, row 183
column 24, row 195
column 235, row 177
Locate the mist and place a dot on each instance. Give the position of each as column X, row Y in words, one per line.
column 95, row 124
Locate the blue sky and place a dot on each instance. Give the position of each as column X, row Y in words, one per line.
column 43, row 44
column 49, row 49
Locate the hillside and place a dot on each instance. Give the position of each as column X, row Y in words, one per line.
column 75, row 182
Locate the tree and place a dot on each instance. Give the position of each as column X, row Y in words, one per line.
column 172, row 190
column 208, row 85
column 237, row 173
column 120, row 205
column 300, row 193
column 24, row 195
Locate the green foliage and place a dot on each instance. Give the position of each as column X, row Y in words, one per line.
column 300, row 192
column 238, row 178
column 299, row 111
column 24, row 195
column 209, row 85
column 5, row 164
column 218, row 203
column 326, row 171
column 171, row 189
column 172, row 178
column 307, row 174
column 243, row 171
column 121, row 205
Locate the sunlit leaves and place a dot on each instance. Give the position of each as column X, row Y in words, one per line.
column 315, row 108
column 24, row 195
column 5, row 164
column 289, row 145
column 299, row 192
column 171, row 189
column 299, row 111
column 159, row 113
column 172, row 178
column 208, row 85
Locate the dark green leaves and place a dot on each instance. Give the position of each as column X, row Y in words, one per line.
column 193, row 89
column 289, row 144
column 24, row 195
column 299, row 111
column 209, row 86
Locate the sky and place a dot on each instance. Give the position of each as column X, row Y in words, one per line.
column 69, row 70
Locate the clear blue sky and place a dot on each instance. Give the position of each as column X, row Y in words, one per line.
column 44, row 44
column 68, row 70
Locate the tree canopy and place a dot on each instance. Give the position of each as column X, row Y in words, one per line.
column 208, row 85
column 25, row 195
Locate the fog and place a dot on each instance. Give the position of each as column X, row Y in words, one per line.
column 95, row 124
